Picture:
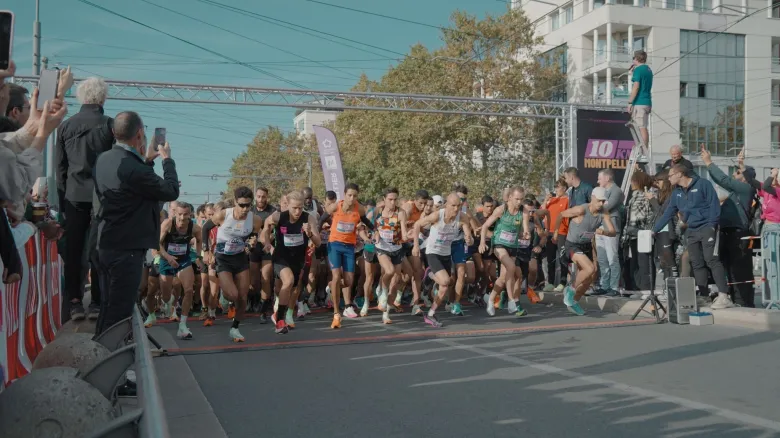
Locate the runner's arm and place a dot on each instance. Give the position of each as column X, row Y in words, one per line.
column 402, row 218
column 270, row 224
column 427, row 220
column 610, row 231
column 314, row 233
column 489, row 222
column 164, row 229
column 197, row 233
column 467, row 233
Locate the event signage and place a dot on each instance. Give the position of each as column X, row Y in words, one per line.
column 603, row 142
column 331, row 160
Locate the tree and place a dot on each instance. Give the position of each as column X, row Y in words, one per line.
column 273, row 154
column 490, row 58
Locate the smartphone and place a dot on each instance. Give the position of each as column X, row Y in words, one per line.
column 6, row 38
column 47, row 86
column 159, row 137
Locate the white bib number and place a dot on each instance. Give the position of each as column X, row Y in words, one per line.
column 234, row 246
column 345, row 227
column 293, row 239
column 524, row 243
column 507, row 237
column 387, row 235
column 177, row 249
column 444, row 241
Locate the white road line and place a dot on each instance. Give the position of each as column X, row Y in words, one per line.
column 408, row 364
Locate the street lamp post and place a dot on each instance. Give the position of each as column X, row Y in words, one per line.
column 37, row 40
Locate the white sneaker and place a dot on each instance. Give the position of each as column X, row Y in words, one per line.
column 491, row 309
column 723, row 301
column 416, row 310
column 559, row 288
column 382, row 301
column 448, row 307
column 306, row 307
column 235, row 335
column 386, row 318
column 364, row 310
column 349, row 312
column 398, row 297
column 511, row 307
column 301, row 311
column 184, row 332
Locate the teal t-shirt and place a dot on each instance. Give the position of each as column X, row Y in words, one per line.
column 644, row 77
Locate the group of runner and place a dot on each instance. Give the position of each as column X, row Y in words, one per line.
column 247, row 256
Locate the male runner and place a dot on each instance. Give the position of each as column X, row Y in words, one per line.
column 238, row 228
column 414, row 210
column 460, row 251
column 209, row 242
column 446, row 225
column 509, row 234
column 176, row 233
column 345, row 217
column 485, row 263
column 294, row 228
column 260, row 265
column 391, row 226
column 584, row 224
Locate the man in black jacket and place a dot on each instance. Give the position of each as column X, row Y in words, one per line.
column 80, row 140
column 130, row 194
column 675, row 152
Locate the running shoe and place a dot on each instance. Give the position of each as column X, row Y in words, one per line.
column 224, row 303
column 532, row 296
column 491, row 307
column 504, row 300
column 364, row 309
column 382, row 301
column 519, row 311
column 386, row 318
column 184, row 333
column 432, row 321
column 263, row 318
column 306, row 308
column 231, row 312
column 336, row 321
column 349, row 312
column 150, row 320
column 548, row 288
column 301, row 311
column 398, row 296
column 558, row 288
column 208, row 322
column 288, row 319
column 511, row 307
column 573, row 306
column 417, row 310
column 457, row 310
column 281, row 328
column 235, row 335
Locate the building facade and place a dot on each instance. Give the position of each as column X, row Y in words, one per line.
column 306, row 119
column 716, row 66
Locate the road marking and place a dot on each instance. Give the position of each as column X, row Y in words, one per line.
column 409, row 364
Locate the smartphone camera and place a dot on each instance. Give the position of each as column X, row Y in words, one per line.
column 159, row 137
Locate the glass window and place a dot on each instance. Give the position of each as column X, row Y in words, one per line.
column 740, row 45
column 702, row 90
column 569, row 14
column 683, row 89
column 555, row 21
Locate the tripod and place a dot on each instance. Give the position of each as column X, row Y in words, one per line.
column 652, row 298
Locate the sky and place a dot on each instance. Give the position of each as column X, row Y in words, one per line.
column 206, row 138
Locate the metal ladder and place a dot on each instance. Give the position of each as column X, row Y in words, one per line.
column 638, row 152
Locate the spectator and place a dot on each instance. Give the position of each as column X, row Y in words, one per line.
column 667, row 240
column 640, row 102
column 675, row 152
column 18, row 109
column 698, row 202
column 639, row 216
column 80, row 140
column 735, row 214
column 579, row 191
column 130, row 194
column 770, row 243
column 606, row 246
column 556, row 205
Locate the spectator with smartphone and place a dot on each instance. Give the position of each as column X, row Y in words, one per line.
column 18, row 108
column 80, row 140
column 130, row 193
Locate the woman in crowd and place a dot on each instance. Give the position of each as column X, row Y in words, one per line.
column 639, row 216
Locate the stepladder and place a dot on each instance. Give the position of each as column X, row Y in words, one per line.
column 638, row 155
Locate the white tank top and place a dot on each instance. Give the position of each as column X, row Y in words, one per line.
column 231, row 235
column 442, row 235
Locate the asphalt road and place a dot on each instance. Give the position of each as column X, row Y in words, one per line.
column 547, row 375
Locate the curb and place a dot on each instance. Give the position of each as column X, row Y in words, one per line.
column 744, row 317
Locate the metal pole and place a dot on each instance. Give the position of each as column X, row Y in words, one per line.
column 309, row 164
column 37, row 40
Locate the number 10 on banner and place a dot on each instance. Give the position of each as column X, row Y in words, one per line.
column 609, row 149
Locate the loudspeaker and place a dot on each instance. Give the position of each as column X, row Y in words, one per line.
column 682, row 299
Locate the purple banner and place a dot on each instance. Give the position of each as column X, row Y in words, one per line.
column 331, row 160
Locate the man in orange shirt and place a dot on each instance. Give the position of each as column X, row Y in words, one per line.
column 555, row 205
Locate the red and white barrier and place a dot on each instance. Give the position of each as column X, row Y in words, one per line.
column 30, row 309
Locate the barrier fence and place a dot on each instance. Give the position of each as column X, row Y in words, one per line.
column 30, row 309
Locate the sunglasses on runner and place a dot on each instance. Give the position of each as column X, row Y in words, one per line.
column 245, row 205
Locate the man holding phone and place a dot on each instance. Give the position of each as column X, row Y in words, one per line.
column 80, row 140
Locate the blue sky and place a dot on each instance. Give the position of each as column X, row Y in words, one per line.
column 206, row 138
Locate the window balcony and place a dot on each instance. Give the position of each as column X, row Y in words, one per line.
column 776, row 64
column 775, row 107
column 774, row 147
column 619, row 58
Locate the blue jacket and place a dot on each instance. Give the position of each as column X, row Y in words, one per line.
column 698, row 203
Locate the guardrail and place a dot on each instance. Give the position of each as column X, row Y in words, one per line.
column 153, row 422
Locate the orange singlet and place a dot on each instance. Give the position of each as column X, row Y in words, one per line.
column 344, row 225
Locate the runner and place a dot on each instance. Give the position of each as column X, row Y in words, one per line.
column 260, row 265
column 460, row 253
column 511, row 230
column 584, row 224
column 346, row 218
column 209, row 242
column 446, row 225
column 238, row 228
column 294, row 228
column 176, row 233
column 390, row 226
column 414, row 210
column 485, row 263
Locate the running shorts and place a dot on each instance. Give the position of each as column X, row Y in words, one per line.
column 511, row 251
column 439, row 263
column 459, row 252
column 571, row 248
column 169, row 271
column 296, row 268
column 235, row 264
column 396, row 257
column 407, row 248
column 257, row 255
column 341, row 256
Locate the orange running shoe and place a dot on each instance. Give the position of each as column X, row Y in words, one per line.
column 208, row 322
column 336, row 321
column 231, row 312
column 532, row 296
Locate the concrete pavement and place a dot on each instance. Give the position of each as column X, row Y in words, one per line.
column 548, row 375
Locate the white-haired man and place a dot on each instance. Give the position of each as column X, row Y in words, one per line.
column 80, row 140
column 676, row 157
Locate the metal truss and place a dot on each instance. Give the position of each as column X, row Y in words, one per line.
column 327, row 100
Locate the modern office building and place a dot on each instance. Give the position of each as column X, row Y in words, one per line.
column 716, row 65
column 305, row 120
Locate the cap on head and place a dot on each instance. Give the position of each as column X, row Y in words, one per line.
column 599, row 193
column 437, row 200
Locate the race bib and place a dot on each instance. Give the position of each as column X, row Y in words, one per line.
column 507, row 237
column 387, row 235
column 234, row 246
column 345, row 227
column 177, row 249
column 443, row 241
column 524, row 243
column 293, row 239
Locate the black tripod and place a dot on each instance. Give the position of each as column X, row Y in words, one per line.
column 653, row 299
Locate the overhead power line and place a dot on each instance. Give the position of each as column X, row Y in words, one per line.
column 190, row 43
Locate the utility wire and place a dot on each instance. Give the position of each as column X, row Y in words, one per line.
column 251, row 67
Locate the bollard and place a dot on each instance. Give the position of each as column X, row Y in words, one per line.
column 70, row 327
column 76, row 350
column 52, row 402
